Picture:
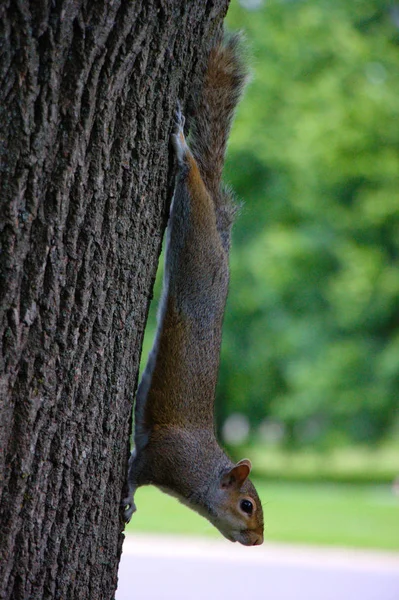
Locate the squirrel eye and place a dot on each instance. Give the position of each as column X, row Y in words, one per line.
column 246, row 506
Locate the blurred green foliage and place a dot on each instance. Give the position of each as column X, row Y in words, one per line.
column 311, row 335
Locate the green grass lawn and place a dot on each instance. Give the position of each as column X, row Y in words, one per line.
column 363, row 516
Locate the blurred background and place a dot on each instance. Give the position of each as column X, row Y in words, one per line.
column 309, row 377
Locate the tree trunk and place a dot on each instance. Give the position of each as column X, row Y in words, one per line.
column 87, row 94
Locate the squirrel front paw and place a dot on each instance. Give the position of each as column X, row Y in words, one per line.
column 129, row 508
column 178, row 140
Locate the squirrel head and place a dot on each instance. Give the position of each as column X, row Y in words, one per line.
column 237, row 508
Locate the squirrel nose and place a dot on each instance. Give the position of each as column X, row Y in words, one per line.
column 258, row 541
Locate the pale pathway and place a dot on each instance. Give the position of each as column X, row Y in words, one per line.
column 163, row 568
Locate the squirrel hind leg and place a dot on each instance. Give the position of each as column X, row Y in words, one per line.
column 178, row 139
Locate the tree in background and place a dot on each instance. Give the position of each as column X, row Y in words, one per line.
column 87, row 93
column 311, row 332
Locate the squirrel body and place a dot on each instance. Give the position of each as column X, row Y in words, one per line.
column 175, row 444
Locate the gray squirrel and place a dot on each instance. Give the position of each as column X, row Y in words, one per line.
column 175, row 443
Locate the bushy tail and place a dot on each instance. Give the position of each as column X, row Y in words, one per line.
column 224, row 82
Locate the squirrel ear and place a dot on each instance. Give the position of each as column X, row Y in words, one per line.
column 245, row 461
column 237, row 475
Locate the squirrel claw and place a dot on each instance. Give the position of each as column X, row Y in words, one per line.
column 178, row 139
column 129, row 508
column 179, row 119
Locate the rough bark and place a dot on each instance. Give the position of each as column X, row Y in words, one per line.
column 87, row 93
